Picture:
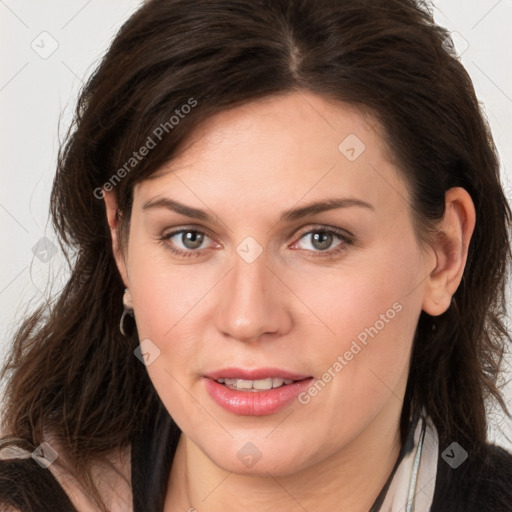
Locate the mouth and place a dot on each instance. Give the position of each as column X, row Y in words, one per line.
column 255, row 392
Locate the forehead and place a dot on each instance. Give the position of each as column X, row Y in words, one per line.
column 276, row 152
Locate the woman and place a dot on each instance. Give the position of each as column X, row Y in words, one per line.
column 328, row 336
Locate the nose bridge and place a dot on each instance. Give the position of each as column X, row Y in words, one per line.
column 250, row 300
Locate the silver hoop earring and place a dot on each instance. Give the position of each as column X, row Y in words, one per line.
column 128, row 310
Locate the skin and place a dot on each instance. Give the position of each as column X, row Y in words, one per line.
column 294, row 307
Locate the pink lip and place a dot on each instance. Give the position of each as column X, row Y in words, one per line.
column 254, row 403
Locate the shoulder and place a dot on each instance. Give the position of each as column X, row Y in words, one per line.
column 482, row 483
column 25, row 486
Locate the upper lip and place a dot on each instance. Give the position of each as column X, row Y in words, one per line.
column 254, row 374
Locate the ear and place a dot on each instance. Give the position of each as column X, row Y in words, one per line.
column 450, row 249
column 113, row 219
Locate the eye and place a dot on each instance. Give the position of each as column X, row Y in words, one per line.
column 190, row 240
column 322, row 238
column 187, row 242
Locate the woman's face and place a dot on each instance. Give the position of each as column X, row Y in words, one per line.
column 268, row 288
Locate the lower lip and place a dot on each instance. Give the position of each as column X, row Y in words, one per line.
column 255, row 403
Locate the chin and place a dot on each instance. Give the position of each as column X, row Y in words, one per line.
column 260, row 458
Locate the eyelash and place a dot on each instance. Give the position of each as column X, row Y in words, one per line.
column 342, row 235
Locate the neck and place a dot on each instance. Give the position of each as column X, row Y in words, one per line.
column 350, row 479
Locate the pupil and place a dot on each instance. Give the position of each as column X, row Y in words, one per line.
column 192, row 239
column 322, row 238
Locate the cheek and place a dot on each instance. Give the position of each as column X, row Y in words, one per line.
column 371, row 290
column 164, row 290
column 166, row 299
column 369, row 315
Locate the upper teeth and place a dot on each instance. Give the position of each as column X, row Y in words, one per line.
column 242, row 384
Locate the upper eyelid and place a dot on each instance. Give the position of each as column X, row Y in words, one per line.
column 326, row 228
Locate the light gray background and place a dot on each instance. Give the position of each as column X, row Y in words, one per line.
column 38, row 86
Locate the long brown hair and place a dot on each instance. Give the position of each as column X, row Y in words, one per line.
column 71, row 371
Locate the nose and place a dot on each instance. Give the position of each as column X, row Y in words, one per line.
column 253, row 303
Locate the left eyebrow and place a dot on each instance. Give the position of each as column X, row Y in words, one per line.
column 286, row 216
column 322, row 206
